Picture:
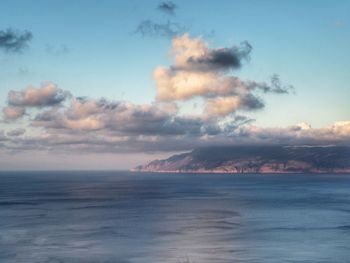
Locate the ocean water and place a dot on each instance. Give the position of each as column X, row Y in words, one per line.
column 123, row 217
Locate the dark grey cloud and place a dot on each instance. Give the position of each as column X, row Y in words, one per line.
column 13, row 40
column 149, row 28
column 251, row 102
column 16, row 132
column 221, row 59
column 47, row 118
column 167, row 7
column 2, row 136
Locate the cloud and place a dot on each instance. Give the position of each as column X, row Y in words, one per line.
column 167, row 29
column 222, row 106
column 2, row 136
column 198, row 74
column 47, row 95
column 277, row 86
column 193, row 54
column 199, row 71
column 180, row 135
column 97, row 125
column 120, row 118
column 341, row 128
column 219, row 59
column 13, row 113
column 302, row 133
column 149, row 28
column 13, row 40
column 167, row 7
column 16, row 132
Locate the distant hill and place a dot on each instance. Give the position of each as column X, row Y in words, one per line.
column 256, row 159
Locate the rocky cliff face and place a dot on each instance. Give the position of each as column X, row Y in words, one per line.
column 256, row 159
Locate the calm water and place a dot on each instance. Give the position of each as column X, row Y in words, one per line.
column 125, row 218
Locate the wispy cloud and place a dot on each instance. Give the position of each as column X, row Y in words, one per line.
column 167, row 7
column 149, row 28
column 156, row 28
column 14, row 40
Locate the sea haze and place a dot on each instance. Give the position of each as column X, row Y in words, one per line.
column 124, row 217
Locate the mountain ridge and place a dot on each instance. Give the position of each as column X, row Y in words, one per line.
column 255, row 159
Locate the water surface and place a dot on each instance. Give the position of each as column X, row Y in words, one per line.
column 125, row 217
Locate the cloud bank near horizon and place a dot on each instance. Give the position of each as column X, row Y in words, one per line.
column 51, row 119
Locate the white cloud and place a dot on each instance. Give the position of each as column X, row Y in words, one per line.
column 200, row 71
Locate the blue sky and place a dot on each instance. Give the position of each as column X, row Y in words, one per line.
column 90, row 48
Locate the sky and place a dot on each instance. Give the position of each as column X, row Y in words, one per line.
column 112, row 84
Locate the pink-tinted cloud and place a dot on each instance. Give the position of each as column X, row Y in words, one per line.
column 12, row 112
column 46, row 95
column 199, row 71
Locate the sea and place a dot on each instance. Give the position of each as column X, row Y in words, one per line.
column 124, row 217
